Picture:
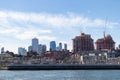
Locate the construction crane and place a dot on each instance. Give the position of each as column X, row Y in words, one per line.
column 105, row 44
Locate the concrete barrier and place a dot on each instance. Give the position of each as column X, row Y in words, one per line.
column 63, row 67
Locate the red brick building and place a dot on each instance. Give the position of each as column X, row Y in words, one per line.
column 84, row 42
column 105, row 43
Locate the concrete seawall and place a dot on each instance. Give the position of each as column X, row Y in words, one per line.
column 3, row 68
column 64, row 67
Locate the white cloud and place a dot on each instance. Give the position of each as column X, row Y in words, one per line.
column 46, row 37
column 23, row 25
column 24, row 33
column 28, row 34
column 55, row 20
column 8, row 31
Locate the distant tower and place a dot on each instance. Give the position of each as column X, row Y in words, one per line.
column 44, row 48
column 2, row 50
column 65, row 46
column 22, row 51
column 52, row 46
column 119, row 46
column 35, row 44
column 30, row 48
column 60, row 46
column 41, row 49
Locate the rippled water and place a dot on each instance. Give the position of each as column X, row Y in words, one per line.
column 61, row 75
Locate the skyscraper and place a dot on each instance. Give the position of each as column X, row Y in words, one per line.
column 60, row 46
column 30, row 48
column 2, row 50
column 22, row 51
column 84, row 42
column 65, row 46
column 44, row 48
column 52, row 46
column 39, row 49
column 35, row 44
column 36, row 47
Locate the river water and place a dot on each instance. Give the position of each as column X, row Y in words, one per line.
column 61, row 75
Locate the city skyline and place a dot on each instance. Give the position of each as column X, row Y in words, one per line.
column 59, row 21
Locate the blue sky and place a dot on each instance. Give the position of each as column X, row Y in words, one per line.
column 59, row 20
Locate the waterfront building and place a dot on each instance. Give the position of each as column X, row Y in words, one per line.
column 22, row 51
column 35, row 44
column 52, row 46
column 84, row 42
column 105, row 43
